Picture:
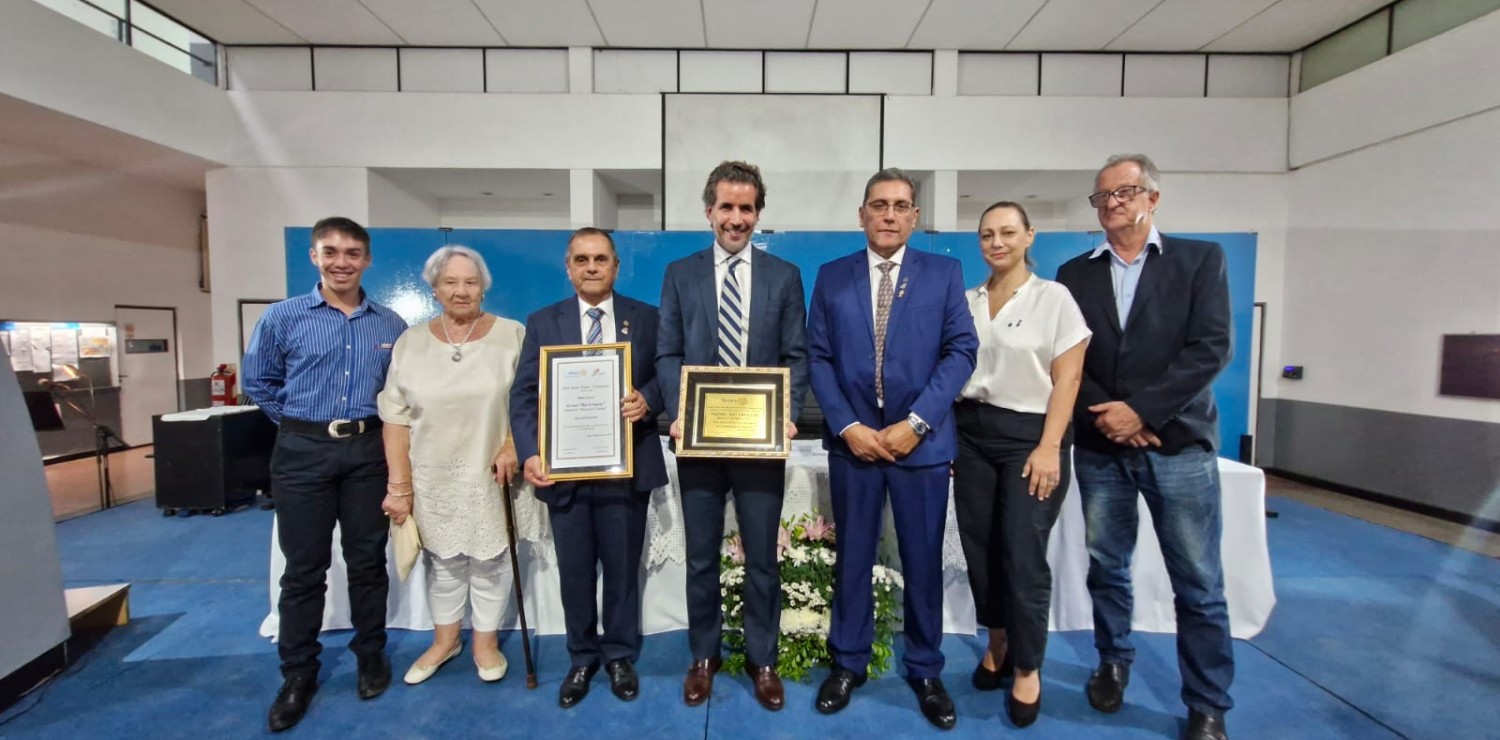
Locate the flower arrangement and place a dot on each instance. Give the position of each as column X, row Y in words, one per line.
column 805, row 555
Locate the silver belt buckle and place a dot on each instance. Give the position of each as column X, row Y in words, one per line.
column 333, row 428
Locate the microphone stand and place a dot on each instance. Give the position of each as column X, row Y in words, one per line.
column 102, row 435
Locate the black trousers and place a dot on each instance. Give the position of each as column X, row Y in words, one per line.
column 758, row 491
column 320, row 481
column 1003, row 528
column 601, row 531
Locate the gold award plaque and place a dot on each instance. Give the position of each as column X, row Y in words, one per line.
column 734, row 412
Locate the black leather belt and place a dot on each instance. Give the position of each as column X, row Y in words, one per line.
column 336, row 429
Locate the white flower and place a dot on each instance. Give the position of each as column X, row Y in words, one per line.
column 797, row 554
column 804, row 622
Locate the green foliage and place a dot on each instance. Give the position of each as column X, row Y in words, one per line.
column 805, row 554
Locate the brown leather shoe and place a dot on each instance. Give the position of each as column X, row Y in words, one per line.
column 699, row 684
column 768, row 690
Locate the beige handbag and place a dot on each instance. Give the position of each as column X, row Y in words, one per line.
column 408, row 545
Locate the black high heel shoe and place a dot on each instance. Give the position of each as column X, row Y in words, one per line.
column 1022, row 714
column 985, row 679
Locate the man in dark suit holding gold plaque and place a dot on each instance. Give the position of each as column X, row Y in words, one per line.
column 597, row 524
column 735, row 306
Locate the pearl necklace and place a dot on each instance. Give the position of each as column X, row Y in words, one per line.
column 458, row 349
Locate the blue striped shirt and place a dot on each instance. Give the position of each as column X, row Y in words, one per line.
column 309, row 361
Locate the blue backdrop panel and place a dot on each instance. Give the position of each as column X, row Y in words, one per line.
column 528, row 270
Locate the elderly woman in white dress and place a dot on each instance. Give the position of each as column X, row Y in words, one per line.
column 448, row 447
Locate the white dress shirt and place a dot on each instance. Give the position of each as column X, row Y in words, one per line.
column 606, row 322
column 1013, row 367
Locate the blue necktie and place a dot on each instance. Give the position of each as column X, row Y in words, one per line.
column 731, row 348
column 596, row 331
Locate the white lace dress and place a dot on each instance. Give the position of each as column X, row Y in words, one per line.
column 459, row 416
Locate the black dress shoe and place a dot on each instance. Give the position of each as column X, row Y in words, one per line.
column 985, row 679
column 1202, row 726
column 833, row 695
column 1106, row 687
column 374, row 675
column 622, row 679
column 1022, row 714
column 936, row 705
column 576, row 685
column 291, row 702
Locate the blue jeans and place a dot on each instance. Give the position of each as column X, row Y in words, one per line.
column 1182, row 494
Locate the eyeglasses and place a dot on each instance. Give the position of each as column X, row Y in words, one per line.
column 901, row 207
column 1123, row 194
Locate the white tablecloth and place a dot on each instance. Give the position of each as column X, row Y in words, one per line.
column 1247, row 564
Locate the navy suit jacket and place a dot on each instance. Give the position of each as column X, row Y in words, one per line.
column 690, row 322
column 929, row 350
column 1175, row 342
column 561, row 323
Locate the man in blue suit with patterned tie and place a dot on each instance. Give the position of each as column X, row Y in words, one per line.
column 891, row 343
column 599, row 525
column 737, row 306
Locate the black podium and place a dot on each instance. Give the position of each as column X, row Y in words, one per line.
column 213, row 464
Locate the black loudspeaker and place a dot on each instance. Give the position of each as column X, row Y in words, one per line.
column 212, row 464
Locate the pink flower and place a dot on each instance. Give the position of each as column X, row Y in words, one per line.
column 736, row 549
column 783, row 542
column 818, row 529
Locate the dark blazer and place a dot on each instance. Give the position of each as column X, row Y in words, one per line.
column 929, row 350
column 1176, row 340
column 560, row 323
column 690, row 322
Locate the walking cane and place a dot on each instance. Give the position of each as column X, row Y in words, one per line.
column 515, row 568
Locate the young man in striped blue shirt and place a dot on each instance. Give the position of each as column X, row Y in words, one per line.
column 315, row 365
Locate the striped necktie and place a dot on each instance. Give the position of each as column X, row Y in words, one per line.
column 596, row 330
column 882, row 316
column 731, row 350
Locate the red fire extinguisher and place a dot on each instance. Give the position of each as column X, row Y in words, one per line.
column 221, row 386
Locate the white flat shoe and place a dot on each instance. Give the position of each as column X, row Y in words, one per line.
column 419, row 673
column 493, row 673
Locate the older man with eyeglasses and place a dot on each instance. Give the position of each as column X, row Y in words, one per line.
column 1146, row 425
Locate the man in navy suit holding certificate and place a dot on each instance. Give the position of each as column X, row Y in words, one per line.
column 599, row 525
column 736, row 306
column 891, row 343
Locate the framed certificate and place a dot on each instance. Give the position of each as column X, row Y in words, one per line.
column 582, row 434
column 735, row 412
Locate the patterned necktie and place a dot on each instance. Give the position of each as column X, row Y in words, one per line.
column 596, row 330
column 882, row 315
column 731, row 348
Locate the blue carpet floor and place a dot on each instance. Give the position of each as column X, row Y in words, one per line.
column 1377, row 634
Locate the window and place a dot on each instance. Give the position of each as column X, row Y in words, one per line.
column 148, row 30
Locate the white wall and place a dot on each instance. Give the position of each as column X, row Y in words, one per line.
column 506, row 213
column 1391, row 247
column 393, row 205
column 248, row 211
column 77, row 240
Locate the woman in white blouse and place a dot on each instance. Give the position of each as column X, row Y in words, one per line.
column 1013, row 452
column 447, row 444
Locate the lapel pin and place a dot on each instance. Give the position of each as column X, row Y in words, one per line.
column 625, row 327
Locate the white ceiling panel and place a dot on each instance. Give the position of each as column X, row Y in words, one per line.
column 330, row 21
column 973, row 24
column 436, row 22
column 543, row 22
column 768, row 24
column 1186, row 25
column 1079, row 25
column 229, row 21
column 864, row 24
column 1290, row 25
column 657, row 23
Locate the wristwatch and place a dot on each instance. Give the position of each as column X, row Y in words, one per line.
column 917, row 425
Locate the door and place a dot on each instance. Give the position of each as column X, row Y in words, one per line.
column 148, row 368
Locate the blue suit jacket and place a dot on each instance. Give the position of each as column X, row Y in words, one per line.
column 690, row 322
column 561, row 323
column 1175, row 342
column 929, row 350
